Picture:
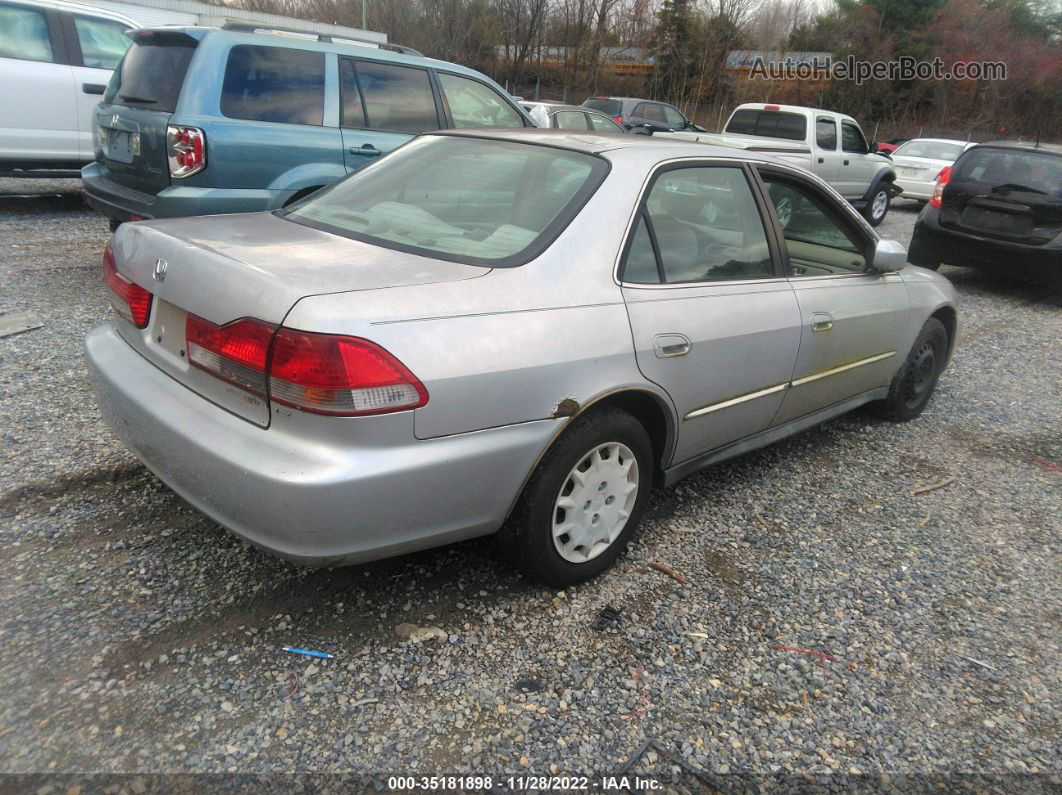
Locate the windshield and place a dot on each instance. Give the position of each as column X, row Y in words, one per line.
column 934, row 150
column 152, row 72
column 1011, row 170
column 471, row 200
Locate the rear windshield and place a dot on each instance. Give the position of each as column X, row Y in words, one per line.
column 1033, row 172
column 152, row 72
column 476, row 201
column 768, row 123
column 934, row 150
column 610, row 107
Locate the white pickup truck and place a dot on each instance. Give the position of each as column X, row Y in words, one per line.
column 829, row 144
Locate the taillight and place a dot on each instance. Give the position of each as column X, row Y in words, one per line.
column 617, row 119
column 330, row 374
column 235, row 353
column 943, row 178
column 186, row 150
column 319, row 373
column 129, row 300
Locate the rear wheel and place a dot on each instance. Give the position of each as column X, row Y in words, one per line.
column 584, row 500
column 878, row 206
column 913, row 385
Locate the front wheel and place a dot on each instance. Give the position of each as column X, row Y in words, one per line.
column 583, row 502
column 878, row 206
column 913, row 385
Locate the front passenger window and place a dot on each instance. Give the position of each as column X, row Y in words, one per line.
column 703, row 226
column 473, row 104
column 818, row 241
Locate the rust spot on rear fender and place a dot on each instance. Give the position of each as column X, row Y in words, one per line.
column 568, row 407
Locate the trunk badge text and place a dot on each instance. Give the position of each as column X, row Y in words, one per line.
column 159, row 274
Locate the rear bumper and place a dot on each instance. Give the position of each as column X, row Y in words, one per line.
column 367, row 489
column 932, row 244
column 912, row 189
column 176, row 201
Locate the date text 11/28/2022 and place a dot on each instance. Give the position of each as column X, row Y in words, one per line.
column 521, row 783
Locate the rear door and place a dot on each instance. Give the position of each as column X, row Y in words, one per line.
column 853, row 320
column 714, row 322
column 98, row 45
column 38, row 109
column 1005, row 194
column 136, row 109
column 383, row 105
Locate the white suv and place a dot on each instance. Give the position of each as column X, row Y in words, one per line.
column 56, row 59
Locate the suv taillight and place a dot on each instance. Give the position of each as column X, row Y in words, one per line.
column 319, row 373
column 129, row 300
column 617, row 119
column 186, row 150
column 943, row 178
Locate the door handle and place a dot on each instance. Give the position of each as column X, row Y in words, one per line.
column 846, row 162
column 666, row 346
column 822, row 159
column 365, row 150
column 93, row 88
column 820, row 321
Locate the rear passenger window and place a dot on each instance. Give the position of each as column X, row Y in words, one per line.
column 473, row 104
column 24, row 34
column 570, row 120
column 825, row 133
column 391, row 97
column 274, row 84
column 103, row 42
column 704, row 226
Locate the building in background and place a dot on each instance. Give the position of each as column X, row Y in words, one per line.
column 153, row 13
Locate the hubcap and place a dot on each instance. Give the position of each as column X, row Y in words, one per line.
column 881, row 201
column 920, row 375
column 784, row 210
column 595, row 502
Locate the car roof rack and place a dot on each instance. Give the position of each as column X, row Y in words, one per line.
column 328, row 38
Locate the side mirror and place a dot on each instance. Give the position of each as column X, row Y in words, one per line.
column 890, row 256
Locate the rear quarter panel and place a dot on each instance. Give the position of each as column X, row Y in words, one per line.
column 512, row 346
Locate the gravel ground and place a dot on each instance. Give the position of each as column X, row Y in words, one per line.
column 140, row 637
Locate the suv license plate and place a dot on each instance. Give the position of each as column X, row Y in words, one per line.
column 123, row 146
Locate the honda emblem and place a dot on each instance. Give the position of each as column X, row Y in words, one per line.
column 159, row 273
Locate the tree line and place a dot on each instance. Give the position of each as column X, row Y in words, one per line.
column 554, row 49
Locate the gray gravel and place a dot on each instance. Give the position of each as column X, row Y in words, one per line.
column 138, row 636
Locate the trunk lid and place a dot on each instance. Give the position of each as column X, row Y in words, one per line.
column 133, row 118
column 223, row 268
column 1007, row 194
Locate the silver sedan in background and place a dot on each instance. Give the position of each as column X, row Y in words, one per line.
column 514, row 332
column 919, row 162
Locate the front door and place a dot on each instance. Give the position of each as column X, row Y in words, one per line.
column 714, row 322
column 851, row 338
column 382, row 105
column 858, row 165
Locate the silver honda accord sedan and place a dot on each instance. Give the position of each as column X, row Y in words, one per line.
column 503, row 332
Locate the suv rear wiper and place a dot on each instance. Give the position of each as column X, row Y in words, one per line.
column 128, row 98
column 1007, row 187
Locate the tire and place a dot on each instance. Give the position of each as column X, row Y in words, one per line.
column 606, row 439
column 878, row 206
column 913, row 385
